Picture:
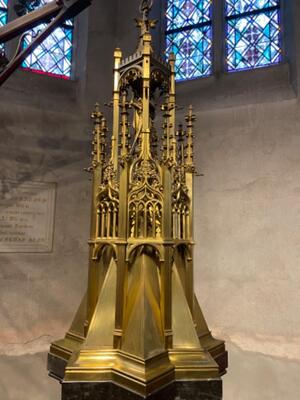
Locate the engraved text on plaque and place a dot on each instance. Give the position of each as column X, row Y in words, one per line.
column 26, row 216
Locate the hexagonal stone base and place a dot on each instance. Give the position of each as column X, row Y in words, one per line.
column 193, row 390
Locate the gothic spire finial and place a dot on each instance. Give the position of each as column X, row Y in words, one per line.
column 145, row 8
column 144, row 23
column 97, row 116
column 190, row 119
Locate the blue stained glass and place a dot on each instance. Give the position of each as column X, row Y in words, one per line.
column 189, row 37
column 235, row 7
column 253, row 41
column 3, row 3
column 3, row 12
column 54, row 55
column 3, row 16
column 193, row 51
column 69, row 22
column 181, row 13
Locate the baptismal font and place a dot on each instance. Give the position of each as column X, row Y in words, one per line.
column 140, row 327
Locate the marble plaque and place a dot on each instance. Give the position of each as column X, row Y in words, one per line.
column 26, row 216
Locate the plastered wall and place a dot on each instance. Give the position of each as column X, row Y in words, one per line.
column 247, row 252
column 247, row 214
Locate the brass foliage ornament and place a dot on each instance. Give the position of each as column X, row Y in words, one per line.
column 140, row 325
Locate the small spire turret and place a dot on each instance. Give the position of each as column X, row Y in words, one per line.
column 103, row 140
column 190, row 119
column 125, row 135
column 181, row 145
column 173, row 141
column 97, row 116
column 166, row 143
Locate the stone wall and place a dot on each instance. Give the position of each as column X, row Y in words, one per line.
column 247, row 213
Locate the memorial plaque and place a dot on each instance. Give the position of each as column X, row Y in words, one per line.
column 26, row 216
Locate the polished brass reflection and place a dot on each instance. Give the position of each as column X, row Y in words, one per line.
column 140, row 324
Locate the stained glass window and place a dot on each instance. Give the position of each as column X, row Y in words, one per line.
column 189, row 37
column 3, row 15
column 253, row 37
column 54, row 55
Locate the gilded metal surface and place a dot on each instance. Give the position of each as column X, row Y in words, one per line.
column 142, row 327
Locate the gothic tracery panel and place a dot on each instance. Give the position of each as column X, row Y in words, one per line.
column 180, row 214
column 145, row 201
column 107, row 215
